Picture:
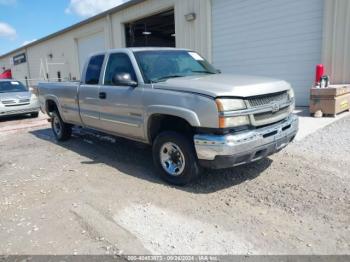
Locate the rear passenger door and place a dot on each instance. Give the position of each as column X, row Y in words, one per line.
column 89, row 101
column 121, row 110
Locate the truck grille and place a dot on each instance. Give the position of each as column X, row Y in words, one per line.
column 281, row 97
column 270, row 117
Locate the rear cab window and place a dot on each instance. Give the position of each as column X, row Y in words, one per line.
column 93, row 71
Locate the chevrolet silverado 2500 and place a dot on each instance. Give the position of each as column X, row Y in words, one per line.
column 173, row 99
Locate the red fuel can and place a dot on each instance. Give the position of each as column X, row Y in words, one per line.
column 319, row 73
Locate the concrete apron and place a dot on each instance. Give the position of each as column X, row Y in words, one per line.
column 309, row 124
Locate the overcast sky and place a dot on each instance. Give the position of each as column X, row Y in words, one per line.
column 22, row 21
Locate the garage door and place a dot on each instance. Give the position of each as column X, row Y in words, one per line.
column 274, row 38
column 88, row 45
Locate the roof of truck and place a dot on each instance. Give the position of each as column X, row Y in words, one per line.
column 137, row 49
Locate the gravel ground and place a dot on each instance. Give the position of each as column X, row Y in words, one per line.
column 99, row 195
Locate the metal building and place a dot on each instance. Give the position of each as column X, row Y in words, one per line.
column 280, row 39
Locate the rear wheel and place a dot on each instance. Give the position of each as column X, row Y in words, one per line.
column 175, row 158
column 61, row 130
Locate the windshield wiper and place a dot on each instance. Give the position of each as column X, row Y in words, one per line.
column 166, row 77
column 203, row 72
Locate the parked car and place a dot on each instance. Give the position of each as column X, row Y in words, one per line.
column 174, row 100
column 16, row 99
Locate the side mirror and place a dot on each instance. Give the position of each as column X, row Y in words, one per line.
column 123, row 79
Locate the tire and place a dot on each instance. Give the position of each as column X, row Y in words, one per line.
column 60, row 129
column 34, row 115
column 181, row 148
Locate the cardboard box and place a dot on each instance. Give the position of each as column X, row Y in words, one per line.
column 331, row 91
column 330, row 105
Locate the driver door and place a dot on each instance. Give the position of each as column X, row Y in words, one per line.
column 121, row 110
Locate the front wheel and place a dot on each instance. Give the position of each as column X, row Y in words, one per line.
column 61, row 130
column 175, row 158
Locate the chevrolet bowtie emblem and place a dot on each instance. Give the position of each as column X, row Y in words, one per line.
column 275, row 107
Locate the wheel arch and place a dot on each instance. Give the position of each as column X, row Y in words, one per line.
column 51, row 104
column 170, row 121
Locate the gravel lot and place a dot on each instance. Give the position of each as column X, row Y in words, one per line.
column 99, row 195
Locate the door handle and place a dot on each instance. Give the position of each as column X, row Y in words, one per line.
column 102, row 95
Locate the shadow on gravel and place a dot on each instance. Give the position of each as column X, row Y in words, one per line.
column 135, row 159
column 215, row 180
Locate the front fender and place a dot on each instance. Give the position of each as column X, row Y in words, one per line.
column 186, row 114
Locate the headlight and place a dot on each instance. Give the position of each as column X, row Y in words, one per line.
column 291, row 93
column 291, row 97
column 226, row 104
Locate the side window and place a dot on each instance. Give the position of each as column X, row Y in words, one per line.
column 118, row 63
column 93, row 70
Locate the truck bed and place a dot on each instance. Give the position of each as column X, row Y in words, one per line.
column 64, row 94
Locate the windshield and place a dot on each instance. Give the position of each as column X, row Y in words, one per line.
column 12, row 86
column 157, row 66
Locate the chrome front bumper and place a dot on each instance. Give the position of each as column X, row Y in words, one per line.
column 247, row 146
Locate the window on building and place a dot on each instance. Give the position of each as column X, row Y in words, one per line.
column 93, row 70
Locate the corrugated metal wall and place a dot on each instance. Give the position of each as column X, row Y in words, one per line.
column 64, row 50
column 274, row 38
column 20, row 71
column 268, row 37
column 194, row 35
column 336, row 40
column 60, row 53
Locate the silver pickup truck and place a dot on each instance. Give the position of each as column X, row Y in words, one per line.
column 173, row 99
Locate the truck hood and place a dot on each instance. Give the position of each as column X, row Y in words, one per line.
column 14, row 96
column 225, row 85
